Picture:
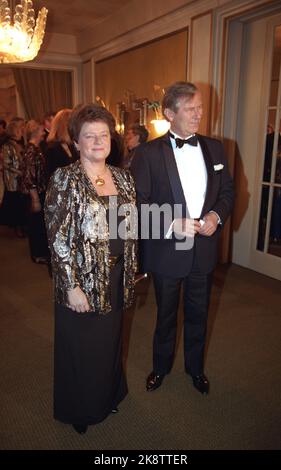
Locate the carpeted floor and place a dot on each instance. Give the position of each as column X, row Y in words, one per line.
column 243, row 410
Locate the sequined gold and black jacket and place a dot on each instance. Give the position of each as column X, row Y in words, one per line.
column 78, row 235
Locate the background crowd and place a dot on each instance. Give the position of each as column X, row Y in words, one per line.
column 30, row 152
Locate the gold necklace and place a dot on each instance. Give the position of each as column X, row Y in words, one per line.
column 99, row 181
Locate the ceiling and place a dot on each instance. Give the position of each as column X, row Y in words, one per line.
column 74, row 16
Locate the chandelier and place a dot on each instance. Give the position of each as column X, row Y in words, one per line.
column 20, row 39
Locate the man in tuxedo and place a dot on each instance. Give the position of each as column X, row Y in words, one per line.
column 187, row 172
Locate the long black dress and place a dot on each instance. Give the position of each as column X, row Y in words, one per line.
column 88, row 375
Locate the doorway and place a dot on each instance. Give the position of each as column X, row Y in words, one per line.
column 254, row 61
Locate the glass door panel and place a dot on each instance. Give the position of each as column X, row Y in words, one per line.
column 263, row 218
column 269, row 141
column 269, row 228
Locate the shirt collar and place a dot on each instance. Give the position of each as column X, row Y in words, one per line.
column 179, row 137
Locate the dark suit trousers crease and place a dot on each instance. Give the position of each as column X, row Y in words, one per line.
column 196, row 296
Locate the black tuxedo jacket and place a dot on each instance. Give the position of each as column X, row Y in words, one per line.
column 157, row 182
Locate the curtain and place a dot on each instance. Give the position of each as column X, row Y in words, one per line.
column 42, row 91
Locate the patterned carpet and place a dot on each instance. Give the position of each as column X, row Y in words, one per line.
column 243, row 409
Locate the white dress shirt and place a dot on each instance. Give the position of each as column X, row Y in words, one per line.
column 193, row 175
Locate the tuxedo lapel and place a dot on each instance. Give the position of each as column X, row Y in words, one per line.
column 210, row 171
column 173, row 175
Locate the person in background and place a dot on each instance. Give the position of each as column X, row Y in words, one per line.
column 3, row 138
column 21, row 122
column 116, row 155
column 33, row 185
column 3, row 133
column 3, row 126
column 2, row 186
column 188, row 173
column 93, row 272
column 47, row 122
column 60, row 150
column 13, row 203
column 135, row 135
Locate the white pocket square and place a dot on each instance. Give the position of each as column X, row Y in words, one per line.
column 218, row 167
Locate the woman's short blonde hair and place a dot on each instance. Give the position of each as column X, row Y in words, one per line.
column 59, row 127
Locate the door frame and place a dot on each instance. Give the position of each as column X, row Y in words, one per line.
column 232, row 21
column 271, row 265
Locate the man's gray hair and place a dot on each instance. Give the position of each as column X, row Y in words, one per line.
column 176, row 91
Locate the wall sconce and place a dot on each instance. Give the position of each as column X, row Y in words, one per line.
column 160, row 124
column 120, row 120
column 141, row 105
column 100, row 101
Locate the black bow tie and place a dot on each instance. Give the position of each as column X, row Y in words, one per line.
column 180, row 142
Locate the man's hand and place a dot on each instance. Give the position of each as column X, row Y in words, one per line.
column 186, row 227
column 210, row 225
column 77, row 300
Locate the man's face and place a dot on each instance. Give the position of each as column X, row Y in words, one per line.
column 132, row 140
column 187, row 119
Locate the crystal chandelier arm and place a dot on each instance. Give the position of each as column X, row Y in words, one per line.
column 5, row 13
column 21, row 39
column 39, row 30
column 26, row 14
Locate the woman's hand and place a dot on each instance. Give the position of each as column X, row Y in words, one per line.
column 35, row 201
column 77, row 300
column 35, row 206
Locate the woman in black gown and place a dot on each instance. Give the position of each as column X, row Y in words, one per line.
column 93, row 271
column 59, row 150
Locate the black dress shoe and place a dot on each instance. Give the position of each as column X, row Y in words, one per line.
column 154, row 381
column 114, row 410
column 80, row 428
column 201, row 383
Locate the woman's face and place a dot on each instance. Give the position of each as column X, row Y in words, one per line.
column 94, row 141
column 40, row 133
column 19, row 131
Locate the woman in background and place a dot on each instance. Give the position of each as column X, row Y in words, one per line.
column 34, row 187
column 13, row 204
column 60, row 149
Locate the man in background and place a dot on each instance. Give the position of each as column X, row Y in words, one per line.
column 135, row 135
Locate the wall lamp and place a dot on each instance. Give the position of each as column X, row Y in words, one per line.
column 120, row 120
